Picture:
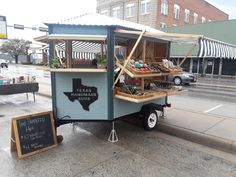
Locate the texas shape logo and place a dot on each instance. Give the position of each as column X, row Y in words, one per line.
column 84, row 94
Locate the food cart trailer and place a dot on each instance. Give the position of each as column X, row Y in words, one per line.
column 133, row 80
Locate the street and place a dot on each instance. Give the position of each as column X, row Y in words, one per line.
column 85, row 150
column 204, row 105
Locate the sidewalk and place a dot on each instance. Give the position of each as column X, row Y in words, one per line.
column 214, row 131
column 207, row 81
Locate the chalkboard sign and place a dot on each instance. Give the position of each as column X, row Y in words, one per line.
column 33, row 133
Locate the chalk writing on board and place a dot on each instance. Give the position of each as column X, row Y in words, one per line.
column 35, row 133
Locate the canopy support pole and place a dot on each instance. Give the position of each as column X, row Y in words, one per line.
column 220, row 67
column 186, row 56
column 68, row 54
column 191, row 66
column 144, row 58
column 198, row 65
column 127, row 60
column 213, row 67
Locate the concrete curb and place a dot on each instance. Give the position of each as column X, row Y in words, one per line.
column 200, row 138
column 212, row 85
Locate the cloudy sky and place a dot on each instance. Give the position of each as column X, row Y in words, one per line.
column 228, row 6
column 32, row 13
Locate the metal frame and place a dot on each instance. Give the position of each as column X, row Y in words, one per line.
column 110, row 71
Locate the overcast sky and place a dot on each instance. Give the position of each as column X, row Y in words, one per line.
column 228, row 6
column 32, row 13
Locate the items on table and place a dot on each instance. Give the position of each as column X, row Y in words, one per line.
column 139, row 66
column 19, row 79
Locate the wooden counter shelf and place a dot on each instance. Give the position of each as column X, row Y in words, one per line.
column 155, row 95
column 79, row 70
column 141, row 100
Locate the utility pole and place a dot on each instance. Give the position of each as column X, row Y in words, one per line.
column 138, row 9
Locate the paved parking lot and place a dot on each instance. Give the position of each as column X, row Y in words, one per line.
column 85, row 150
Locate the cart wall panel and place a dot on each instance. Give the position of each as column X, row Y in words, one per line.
column 65, row 107
column 122, row 107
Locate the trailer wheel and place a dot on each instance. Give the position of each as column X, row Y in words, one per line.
column 150, row 120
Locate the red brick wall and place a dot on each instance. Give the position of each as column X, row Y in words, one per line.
column 201, row 7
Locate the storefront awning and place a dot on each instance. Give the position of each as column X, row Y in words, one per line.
column 217, row 49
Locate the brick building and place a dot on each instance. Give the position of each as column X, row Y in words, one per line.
column 162, row 13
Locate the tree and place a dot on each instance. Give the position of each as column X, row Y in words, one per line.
column 15, row 47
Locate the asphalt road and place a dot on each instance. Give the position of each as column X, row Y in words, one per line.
column 85, row 150
column 203, row 104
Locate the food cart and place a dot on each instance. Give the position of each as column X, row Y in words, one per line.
column 104, row 69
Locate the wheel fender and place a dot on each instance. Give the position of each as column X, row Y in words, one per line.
column 148, row 107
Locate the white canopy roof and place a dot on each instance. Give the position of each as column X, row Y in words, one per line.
column 102, row 20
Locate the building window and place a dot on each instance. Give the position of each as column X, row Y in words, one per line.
column 195, row 18
column 129, row 10
column 186, row 15
column 203, row 20
column 176, row 11
column 116, row 12
column 164, row 7
column 104, row 12
column 163, row 25
column 145, row 7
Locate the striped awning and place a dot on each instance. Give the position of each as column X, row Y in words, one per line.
column 217, row 49
column 79, row 46
column 83, row 46
column 80, row 49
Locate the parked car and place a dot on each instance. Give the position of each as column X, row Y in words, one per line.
column 183, row 78
column 4, row 63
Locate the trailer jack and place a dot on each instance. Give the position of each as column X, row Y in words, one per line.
column 113, row 136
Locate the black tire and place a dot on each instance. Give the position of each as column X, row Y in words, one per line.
column 150, row 120
column 177, row 81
